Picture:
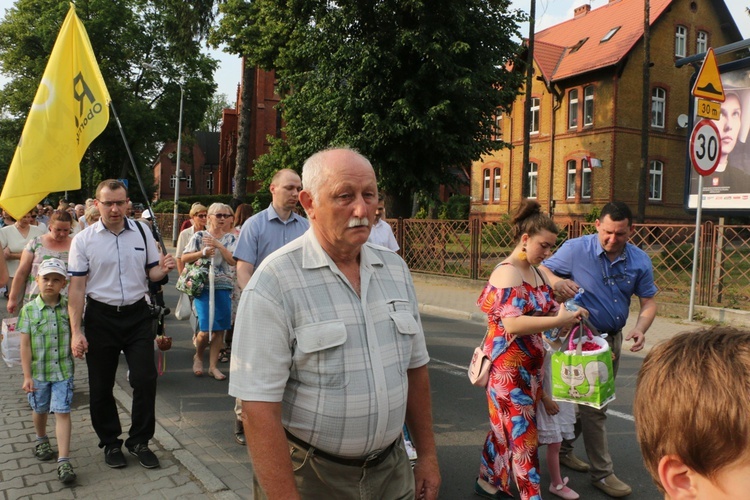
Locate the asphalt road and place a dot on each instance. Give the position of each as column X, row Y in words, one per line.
column 459, row 410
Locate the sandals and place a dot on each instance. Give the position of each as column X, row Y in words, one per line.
column 224, row 355
column 217, row 374
column 197, row 366
column 562, row 490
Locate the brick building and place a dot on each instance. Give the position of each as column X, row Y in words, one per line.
column 199, row 164
column 586, row 112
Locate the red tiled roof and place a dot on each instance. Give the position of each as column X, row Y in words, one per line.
column 595, row 24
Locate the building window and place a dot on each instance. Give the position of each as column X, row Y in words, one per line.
column 571, row 191
column 573, row 108
column 210, row 183
column 172, row 181
column 486, row 186
column 585, row 179
column 609, row 34
column 658, row 104
column 701, row 42
column 534, row 115
column 496, row 189
column 680, row 41
column 190, row 182
column 656, row 174
column 531, row 186
column 497, row 134
column 588, row 105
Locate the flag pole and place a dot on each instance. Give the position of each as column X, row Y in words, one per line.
column 154, row 225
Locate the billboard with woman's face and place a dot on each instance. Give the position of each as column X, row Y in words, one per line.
column 727, row 190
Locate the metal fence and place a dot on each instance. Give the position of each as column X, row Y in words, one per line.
column 471, row 249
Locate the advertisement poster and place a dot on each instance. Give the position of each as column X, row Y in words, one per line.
column 727, row 190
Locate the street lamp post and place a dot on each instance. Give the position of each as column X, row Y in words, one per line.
column 178, row 174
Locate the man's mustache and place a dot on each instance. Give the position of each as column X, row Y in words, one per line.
column 356, row 222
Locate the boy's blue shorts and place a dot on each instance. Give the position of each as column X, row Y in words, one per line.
column 52, row 397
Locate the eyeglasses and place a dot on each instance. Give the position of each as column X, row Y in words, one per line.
column 110, row 204
column 614, row 279
column 223, row 216
column 200, row 216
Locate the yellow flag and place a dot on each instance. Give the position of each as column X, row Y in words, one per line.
column 69, row 111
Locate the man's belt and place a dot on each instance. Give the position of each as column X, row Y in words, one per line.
column 371, row 460
column 117, row 309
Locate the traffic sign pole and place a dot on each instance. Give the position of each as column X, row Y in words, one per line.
column 696, row 246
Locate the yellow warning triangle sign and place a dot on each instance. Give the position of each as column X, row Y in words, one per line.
column 708, row 84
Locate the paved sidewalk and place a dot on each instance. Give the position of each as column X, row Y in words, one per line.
column 182, row 474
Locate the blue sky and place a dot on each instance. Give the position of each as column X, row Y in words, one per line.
column 548, row 13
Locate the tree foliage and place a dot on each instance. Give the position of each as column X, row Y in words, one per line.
column 413, row 84
column 125, row 35
column 214, row 113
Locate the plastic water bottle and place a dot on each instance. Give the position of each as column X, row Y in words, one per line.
column 571, row 305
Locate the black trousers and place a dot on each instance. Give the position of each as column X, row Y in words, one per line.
column 109, row 331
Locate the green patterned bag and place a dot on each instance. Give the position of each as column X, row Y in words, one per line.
column 583, row 377
column 193, row 278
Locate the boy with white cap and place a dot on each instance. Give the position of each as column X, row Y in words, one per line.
column 47, row 362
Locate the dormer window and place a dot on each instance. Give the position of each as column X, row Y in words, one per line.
column 578, row 45
column 609, row 34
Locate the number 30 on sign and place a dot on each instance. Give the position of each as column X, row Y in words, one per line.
column 705, row 147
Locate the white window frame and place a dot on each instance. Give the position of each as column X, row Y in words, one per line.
column 588, row 105
column 571, row 184
column 658, row 107
column 573, row 108
column 533, row 179
column 486, row 186
column 534, row 115
column 701, row 42
column 189, row 182
column 655, row 180
column 586, row 184
column 498, row 133
column 210, row 183
column 497, row 174
column 680, row 41
column 172, row 181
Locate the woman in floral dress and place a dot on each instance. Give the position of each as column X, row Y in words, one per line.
column 519, row 306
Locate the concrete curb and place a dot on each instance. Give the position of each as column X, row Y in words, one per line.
column 207, row 479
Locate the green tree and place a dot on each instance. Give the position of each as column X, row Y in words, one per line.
column 413, row 84
column 214, row 113
column 125, row 35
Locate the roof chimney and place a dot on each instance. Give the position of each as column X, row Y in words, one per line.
column 582, row 10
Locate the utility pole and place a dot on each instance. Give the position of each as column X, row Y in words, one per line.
column 527, row 100
column 645, row 114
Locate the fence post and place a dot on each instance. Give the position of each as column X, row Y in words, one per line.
column 474, row 233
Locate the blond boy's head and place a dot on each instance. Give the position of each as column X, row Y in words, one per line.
column 692, row 412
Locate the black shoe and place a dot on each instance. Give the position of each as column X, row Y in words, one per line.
column 114, row 458
column 239, row 433
column 145, row 456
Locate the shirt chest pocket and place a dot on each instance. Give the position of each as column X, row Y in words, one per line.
column 406, row 328
column 319, row 358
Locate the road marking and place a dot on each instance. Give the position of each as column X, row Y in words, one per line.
column 464, row 369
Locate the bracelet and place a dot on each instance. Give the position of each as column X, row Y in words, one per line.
column 204, row 252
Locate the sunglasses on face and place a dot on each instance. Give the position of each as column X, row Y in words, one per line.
column 222, row 216
column 200, row 216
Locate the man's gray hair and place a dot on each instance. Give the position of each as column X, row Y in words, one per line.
column 313, row 176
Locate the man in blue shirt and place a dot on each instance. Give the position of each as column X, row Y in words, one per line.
column 263, row 234
column 611, row 271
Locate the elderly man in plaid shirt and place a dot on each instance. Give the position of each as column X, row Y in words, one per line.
column 330, row 354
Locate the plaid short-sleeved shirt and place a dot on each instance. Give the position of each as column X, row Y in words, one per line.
column 337, row 361
column 49, row 328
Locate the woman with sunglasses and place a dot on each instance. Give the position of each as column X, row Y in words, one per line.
column 54, row 244
column 198, row 217
column 215, row 246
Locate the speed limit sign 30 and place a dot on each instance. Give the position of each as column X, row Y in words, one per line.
column 705, row 147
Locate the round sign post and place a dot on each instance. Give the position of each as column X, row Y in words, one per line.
column 705, row 147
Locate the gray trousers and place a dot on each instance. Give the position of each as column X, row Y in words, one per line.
column 591, row 422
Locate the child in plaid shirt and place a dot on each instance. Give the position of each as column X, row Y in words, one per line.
column 47, row 363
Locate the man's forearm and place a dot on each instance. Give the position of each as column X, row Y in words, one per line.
column 646, row 315
column 75, row 303
column 269, row 450
column 244, row 273
column 419, row 411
